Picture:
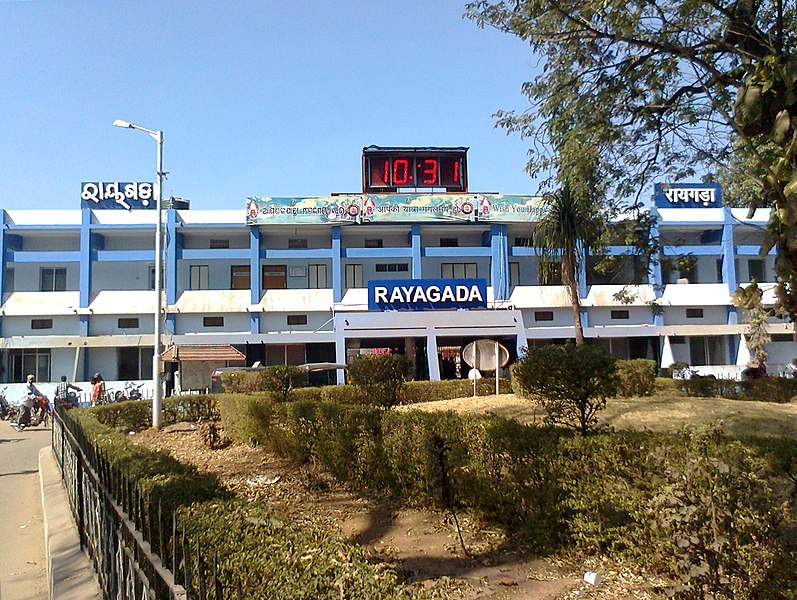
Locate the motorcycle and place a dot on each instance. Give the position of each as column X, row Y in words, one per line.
column 131, row 392
column 40, row 415
column 7, row 411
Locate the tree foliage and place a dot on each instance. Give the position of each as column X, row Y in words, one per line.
column 751, row 300
column 381, row 377
column 571, row 382
column 570, row 222
column 663, row 89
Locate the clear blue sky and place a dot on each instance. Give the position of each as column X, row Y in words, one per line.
column 254, row 98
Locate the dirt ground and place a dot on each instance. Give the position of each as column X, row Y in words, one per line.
column 423, row 544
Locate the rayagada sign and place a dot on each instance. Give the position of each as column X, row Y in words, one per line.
column 427, row 294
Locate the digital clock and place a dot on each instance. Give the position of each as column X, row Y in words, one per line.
column 388, row 169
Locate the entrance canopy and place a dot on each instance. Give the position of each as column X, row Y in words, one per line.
column 215, row 353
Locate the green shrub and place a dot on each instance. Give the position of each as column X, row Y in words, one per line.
column 636, row 377
column 132, row 415
column 773, row 389
column 157, row 475
column 313, row 394
column 701, row 387
column 275, row 558
column 718, row 522
column 666, row 385
column 415, row 392
column 571, row 382
column 343, row 394
column 280, row 380
column 380, row 377
column 241, row 382
column 199, row 407
column 245, row 417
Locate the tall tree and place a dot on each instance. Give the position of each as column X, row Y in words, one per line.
column 570, row 223
column 664, row 89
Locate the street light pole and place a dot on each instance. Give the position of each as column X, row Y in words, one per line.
column 157, row 393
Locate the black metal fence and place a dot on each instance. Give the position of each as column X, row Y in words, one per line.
column 138, row 551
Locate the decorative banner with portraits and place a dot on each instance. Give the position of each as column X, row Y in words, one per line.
column 392, row 208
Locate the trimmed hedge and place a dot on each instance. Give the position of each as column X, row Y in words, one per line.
column 637, row 377
column 448, row 389
column 765, row 389
column 275, row 558
column 245, row 417
column 272, row 556
column 552, row 489
column 199, row 407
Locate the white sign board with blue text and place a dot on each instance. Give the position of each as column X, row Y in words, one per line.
column 688, row 195
column 427, row 294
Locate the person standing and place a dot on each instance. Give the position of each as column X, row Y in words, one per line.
column 62, row 394
column 97, row 390
column 29, row 400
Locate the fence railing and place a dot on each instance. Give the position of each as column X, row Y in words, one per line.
column 138, row 551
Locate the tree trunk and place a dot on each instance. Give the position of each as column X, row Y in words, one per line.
column 569, row 279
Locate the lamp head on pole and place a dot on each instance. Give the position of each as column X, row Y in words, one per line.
column 121, row 123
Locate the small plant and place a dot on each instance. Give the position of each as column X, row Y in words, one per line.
column 571, row 382
column 381, row 377
column 637, row 377
column 280, row 380
column 213, row 436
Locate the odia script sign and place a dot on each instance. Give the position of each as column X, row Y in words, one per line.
column 427, row 294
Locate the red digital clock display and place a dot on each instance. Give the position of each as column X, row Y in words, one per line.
column 388, row 169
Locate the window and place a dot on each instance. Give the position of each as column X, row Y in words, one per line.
column 152, row 276
column 41, row 324
column 392, row 268
column 9, row 281
column 688, row 272
column 620, row 314
column 514, row 274
column 297, row 319
column 782, row 337
column 52, row 280
column 543, row 315
column 375, row 243
column 354, row 276
column 128, row 323
column 459, row 270
column 317, row 277
column 219, row 244
column 27, row 362
column 213, row 321
column 297, row 243
column 239, row 277
column 719, row 270
column 199, row 275
column 677, row 339
column 522, row 241
column 755, row 269
column 549, row 273
column 706, row 350
column 449, row 242
column 134, row 362
column 694, row 313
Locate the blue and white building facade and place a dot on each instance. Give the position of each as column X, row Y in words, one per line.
column 295, row 280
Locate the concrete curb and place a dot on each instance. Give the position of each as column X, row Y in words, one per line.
column 69, row 571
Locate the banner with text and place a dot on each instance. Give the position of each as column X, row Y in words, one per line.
column 688, row 195
column 117, row 195
column 427, row 294
column 392, row 208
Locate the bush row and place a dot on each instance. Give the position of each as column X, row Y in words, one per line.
column 271, row 556
column 766, row 389
column 640, row 494
column 134, row 415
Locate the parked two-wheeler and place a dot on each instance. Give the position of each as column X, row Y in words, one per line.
column 7, row 411
column 40, row 415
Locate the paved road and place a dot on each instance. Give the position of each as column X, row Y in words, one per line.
column 23, row 573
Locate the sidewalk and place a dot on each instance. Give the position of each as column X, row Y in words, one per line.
column 70, row 572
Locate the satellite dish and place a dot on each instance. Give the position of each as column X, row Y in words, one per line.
column 485, row 355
